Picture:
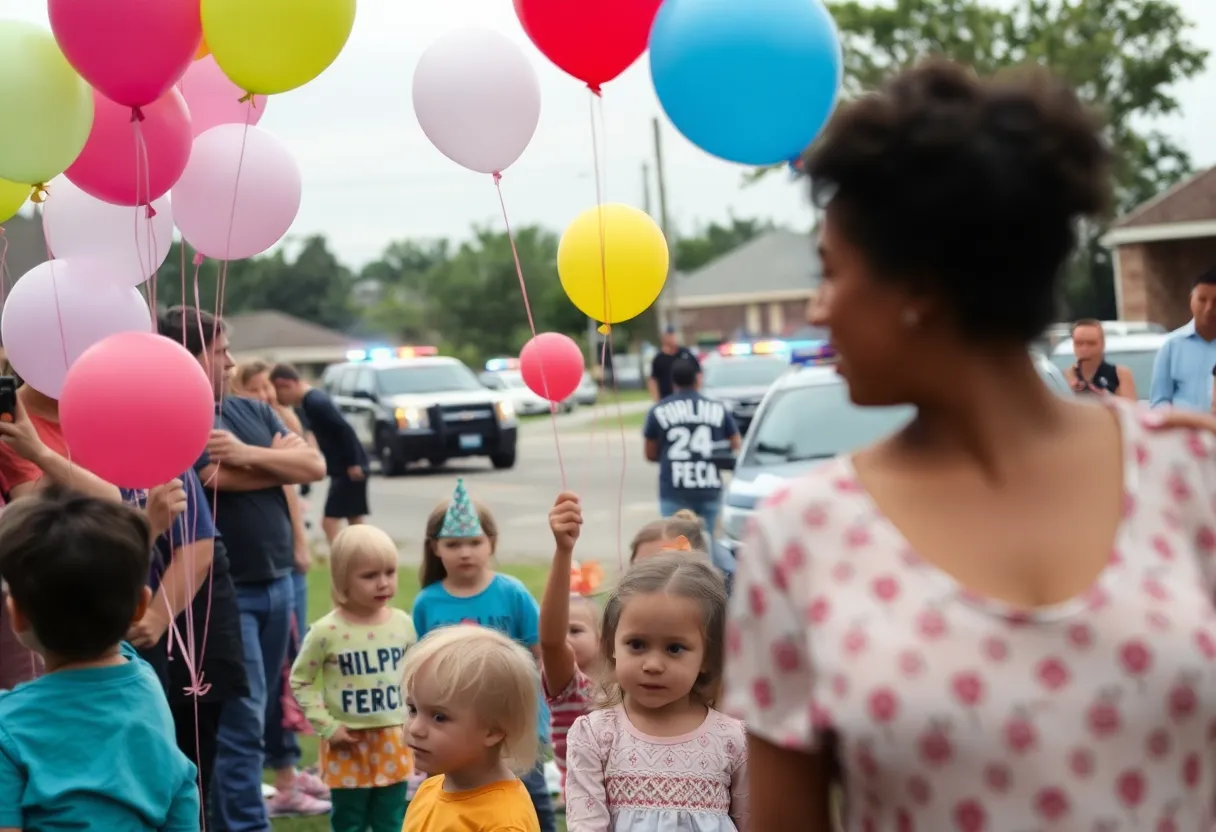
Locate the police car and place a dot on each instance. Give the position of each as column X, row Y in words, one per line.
column 502, row 375
column 807, row 418
column 738, row 374
column 411, row 404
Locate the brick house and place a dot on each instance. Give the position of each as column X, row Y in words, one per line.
column 760, row 289
column 1160, row 247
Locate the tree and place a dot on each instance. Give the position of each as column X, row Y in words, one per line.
column 714, row 240
column 1123, row 56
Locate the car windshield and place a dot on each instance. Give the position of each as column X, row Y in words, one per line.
column 1140, row 362
column 512, row 381
column 426, row 378
column 817, row 422
column 743, row 372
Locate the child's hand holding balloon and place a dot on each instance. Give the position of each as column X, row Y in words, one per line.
column 566, row 521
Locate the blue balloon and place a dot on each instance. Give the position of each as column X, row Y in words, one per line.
column 750, row 81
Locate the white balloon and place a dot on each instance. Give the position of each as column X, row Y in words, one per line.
column 239, row 194
column 59, row 309
column 132, row 245
column 477, row 98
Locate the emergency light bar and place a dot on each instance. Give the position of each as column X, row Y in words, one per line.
column 753, row 348
column 389, row 353
column 495, row 365
column 813, row 353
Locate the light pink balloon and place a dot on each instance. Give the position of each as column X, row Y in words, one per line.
column 59, row 309
column 114, row 168
column 255, row 167
column 214, row 100
column 477, row 98
column 137, row 410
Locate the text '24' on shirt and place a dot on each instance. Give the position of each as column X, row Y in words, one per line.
column 690, row 430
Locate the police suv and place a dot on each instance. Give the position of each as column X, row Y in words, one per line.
column 411, row 404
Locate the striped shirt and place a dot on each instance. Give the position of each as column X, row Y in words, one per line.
column 576, row 699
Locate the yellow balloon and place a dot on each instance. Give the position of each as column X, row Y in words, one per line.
column 12, row 196
column 620, row 279
column 272, row 46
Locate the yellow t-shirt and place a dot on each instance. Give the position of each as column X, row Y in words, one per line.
column 498, row 807
column 350, row 674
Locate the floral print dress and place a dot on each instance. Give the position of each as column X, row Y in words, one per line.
column 956, row 712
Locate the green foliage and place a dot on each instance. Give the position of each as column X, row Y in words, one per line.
column 464, row 298
column 1123, row 56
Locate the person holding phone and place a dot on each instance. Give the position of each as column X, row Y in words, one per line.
column 1093, row 374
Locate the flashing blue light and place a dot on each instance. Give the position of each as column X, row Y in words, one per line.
column 381, row 354
column 495, row 365
column 356, row 355
column 812, row 354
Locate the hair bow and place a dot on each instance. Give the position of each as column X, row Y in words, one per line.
column 585, row 579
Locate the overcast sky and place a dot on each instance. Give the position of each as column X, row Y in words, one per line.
column 371, row 176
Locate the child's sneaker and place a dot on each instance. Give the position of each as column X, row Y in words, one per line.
column 295, row 803
column 311, row 785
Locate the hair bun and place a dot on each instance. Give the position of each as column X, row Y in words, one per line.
column 686, row 514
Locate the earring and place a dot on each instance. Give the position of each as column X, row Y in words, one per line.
column 909, row 317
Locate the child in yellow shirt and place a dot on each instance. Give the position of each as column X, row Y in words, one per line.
column 472, row 696
column 347, row 681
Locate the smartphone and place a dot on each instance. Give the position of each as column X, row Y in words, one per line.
column 8, row 398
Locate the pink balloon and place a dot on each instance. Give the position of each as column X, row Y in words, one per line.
column 133, row 51
column 552, row 366
column 214, row 100
column 259, row 170
column 107, row 170
column 59, row 309
column 136, row 410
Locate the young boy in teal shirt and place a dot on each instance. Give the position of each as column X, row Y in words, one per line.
column 91, row 744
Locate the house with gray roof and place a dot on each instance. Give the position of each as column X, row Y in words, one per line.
column 276, row 336
column 760, row 289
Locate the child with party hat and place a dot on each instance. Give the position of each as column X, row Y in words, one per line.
column 460, row 586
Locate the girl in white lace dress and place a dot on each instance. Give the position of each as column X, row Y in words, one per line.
column 658, row 757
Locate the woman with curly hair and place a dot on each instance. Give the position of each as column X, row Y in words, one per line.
column 999, row 617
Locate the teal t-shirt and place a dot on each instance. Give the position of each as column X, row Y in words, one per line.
column 94, row 749
column 505, row 605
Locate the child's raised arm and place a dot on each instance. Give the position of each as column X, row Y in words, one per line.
column 557, row 659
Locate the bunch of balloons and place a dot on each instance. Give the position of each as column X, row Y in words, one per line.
column 127, row 119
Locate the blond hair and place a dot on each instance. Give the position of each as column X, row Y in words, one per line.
column 242, row 374
column 490, row 674
column 679, row 576
column 684, row 523
column 353, row 546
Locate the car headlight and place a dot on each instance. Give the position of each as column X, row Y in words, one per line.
column 734, row 522
column 411, row 418
column 505, row 411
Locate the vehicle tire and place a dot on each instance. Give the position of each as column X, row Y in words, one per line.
column 567, row 407
column 391, row 464
column 437, row 461
column 504, row 461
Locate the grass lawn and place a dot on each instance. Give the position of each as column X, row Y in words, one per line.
column 319, row 603
column 610, row 420
column 607, row 402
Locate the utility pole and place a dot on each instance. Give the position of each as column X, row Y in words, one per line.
column 670, row 294
column 646, row 205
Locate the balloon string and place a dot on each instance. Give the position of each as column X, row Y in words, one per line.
column 600, row 162
column 143, row 190
column 523, row 290
column 3, row 267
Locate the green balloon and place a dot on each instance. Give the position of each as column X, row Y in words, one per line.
column 46, row 109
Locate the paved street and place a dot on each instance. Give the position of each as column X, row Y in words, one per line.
column 520, row 498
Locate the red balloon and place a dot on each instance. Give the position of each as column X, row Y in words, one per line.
column 113, row 168
column 593, row 40
column 552, row 366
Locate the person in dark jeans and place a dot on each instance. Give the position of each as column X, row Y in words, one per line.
column 249, row 458
column 190, row 558
column 684, row 433
column 346, row 461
